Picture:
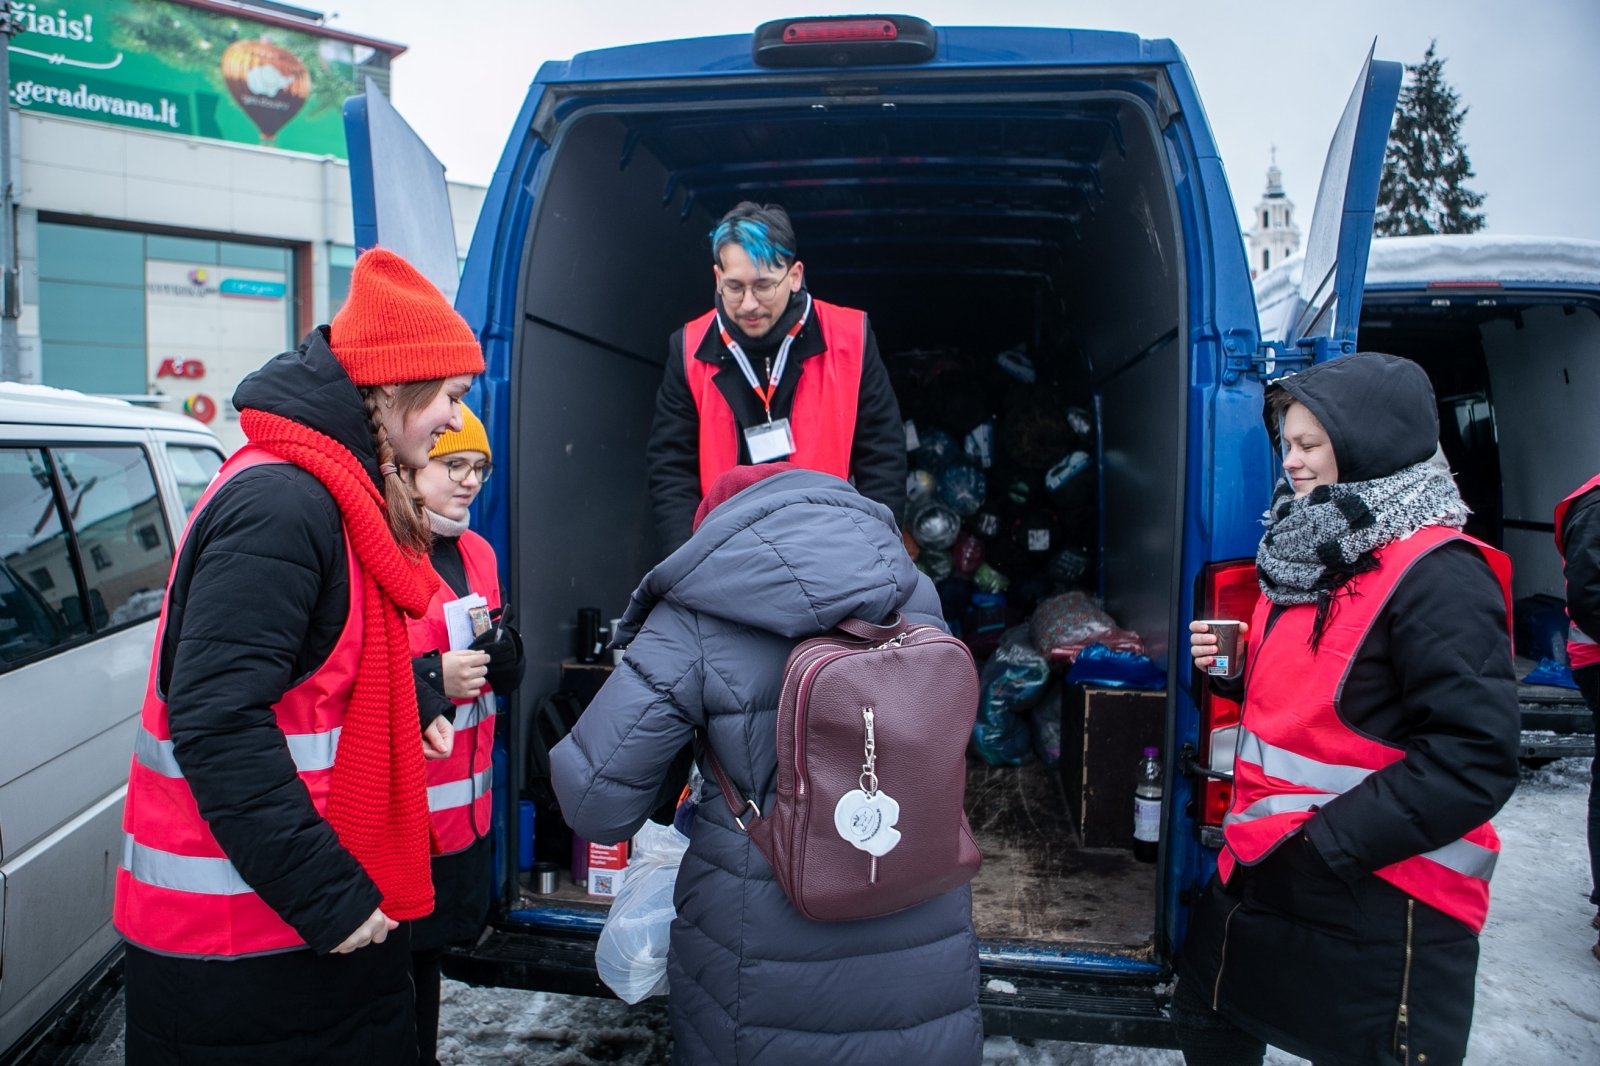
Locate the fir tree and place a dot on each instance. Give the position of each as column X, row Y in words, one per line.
column 1425, row 168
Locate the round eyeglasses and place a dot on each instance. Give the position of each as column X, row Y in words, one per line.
column 457, row 469
column 764, row 288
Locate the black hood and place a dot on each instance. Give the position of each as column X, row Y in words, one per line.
column 309, row 386
column 1378, row 410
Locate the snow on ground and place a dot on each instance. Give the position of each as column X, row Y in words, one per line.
column 1538, row 998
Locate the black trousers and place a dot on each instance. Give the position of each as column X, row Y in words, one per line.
column 296, row 1008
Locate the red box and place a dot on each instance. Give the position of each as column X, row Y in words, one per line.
column 600, row 867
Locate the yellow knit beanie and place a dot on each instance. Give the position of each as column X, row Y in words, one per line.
column 471, row 437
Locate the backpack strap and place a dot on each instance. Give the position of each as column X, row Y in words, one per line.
column 742, row 806
column 858, row 627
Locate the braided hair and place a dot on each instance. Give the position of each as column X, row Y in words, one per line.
column 402, row 503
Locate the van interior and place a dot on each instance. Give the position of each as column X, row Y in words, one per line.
column 1515, row 372
column 967, row 217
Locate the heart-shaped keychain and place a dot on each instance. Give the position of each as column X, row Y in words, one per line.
column 867, row 822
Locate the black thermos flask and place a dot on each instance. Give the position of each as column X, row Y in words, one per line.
column 589, row 643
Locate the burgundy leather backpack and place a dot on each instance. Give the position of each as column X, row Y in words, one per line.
column 873, row 723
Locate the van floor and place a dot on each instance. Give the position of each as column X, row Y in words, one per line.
column 1037, row 885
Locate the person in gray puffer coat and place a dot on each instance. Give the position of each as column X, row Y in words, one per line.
column 780, row 554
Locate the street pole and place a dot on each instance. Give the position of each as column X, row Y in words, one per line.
column 10, row 302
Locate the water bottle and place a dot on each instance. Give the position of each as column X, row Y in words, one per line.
column 1147, row 806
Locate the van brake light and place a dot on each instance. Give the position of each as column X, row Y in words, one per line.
column 852, row 30
column 844, row 41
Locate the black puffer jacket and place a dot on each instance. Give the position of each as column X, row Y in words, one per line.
column 230, row 652
column 877, row 457
column 1319, row 953
column 753, row 982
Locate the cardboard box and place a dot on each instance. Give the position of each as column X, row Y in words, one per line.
column 606, row 868
column 1103, row 733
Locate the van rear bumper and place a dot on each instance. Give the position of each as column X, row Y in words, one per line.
column 1025, row 1003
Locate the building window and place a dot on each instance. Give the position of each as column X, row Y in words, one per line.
column 42, row 580
column 1266, row 219
column 115, row 498
column 91, row 309
column 1266, row 258
column 102, row 559
column 149, row 538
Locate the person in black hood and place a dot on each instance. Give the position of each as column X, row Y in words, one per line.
column 770, row 373
column 277, row 811
column 1379, row 734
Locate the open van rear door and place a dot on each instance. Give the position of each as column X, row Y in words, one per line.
column 398, row 193
column 1322, row 315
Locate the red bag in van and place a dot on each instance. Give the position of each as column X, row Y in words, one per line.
column 873, row 723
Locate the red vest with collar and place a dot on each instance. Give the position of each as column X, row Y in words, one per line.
column 1297, row 754
column 1582, row 650
column 459, row 798
column 823, row 416
column 177, row 893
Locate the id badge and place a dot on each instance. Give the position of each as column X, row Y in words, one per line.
column 769, row 441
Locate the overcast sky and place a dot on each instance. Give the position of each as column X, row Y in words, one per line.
column 1268, row 74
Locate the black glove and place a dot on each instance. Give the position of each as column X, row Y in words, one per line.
column 504, row 645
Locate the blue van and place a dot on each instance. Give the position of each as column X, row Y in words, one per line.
column 970, row 187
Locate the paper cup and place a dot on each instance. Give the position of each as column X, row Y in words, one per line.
column 1227, row 662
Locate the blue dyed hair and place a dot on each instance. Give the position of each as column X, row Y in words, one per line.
column 762, row 230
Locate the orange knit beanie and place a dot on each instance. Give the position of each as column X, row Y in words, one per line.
column 396, row 326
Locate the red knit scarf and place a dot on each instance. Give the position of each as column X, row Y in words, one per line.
column 377, row 797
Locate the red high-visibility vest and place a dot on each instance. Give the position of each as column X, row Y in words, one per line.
column 459, row 800
column 177, row 893
column 1582, row 649
column 823, row 416
column 1296, row 752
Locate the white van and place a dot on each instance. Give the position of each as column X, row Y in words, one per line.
column 1508, row 329
column 93, row 495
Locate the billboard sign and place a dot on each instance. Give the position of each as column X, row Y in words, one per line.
column 177, row 68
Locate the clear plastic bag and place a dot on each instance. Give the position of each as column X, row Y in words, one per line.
column 631, row 955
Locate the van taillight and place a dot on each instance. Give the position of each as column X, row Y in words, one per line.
column 1228, row 590
column 849, row 30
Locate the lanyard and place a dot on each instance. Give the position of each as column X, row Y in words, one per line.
column 776, row 374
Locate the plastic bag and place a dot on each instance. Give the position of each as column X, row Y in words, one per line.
column 1098, row 665
column 1551, row 672
column 631, row 955
column 1064, row 625
column 1012, row 681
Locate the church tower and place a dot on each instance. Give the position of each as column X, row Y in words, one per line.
column 1273, row 235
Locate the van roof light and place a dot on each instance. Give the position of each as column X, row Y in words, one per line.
column 846, row 30
column 1477, row 284
column 843, row 41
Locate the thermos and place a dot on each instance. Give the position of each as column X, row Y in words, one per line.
column 589, row 644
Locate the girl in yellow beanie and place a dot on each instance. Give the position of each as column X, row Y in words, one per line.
column 457, row 679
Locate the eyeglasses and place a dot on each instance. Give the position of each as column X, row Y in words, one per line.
column 733, row 291
column 457, row 469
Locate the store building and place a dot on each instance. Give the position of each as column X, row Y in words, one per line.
column 183, row 194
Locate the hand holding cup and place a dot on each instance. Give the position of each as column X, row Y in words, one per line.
column 1216, row 645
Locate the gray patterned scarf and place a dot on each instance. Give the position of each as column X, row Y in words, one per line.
column 1316, row 543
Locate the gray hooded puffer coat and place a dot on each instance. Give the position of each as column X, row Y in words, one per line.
column 752, row 981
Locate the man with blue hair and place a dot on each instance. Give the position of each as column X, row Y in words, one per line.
column 769, row 374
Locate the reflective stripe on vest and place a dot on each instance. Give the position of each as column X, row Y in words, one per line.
column 459, row 793
column 1296, row 753
column 1582, row 649
column 823, row 414
column 177, row 893
column 1331, row 780
column 310, row 751
column 461, row 822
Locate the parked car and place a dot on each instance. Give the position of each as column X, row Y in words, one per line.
column 973, row 188
column 94, row 493
column 1508, row 329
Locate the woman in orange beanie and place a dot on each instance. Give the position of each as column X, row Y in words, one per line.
column 276, row 815
column 458, row 676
